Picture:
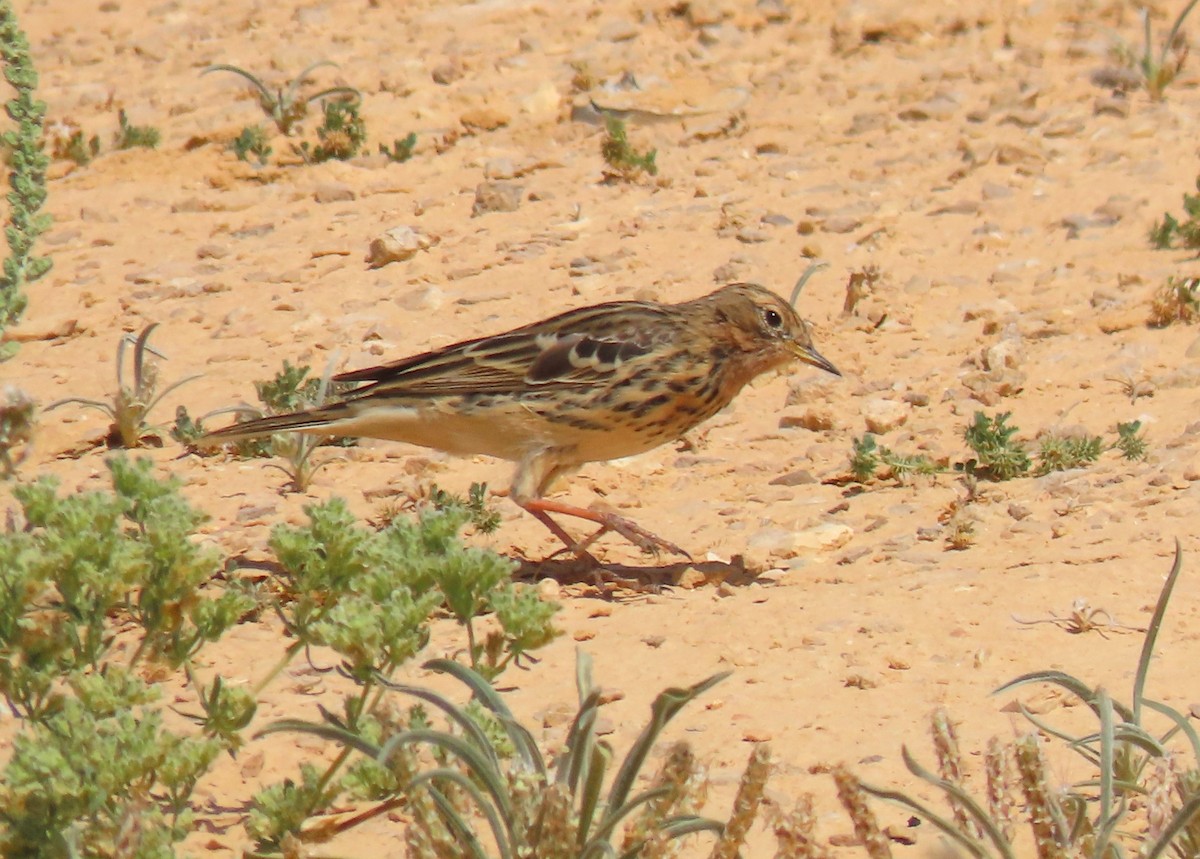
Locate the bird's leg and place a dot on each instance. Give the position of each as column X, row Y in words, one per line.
column 572, row 545
column 647, row 541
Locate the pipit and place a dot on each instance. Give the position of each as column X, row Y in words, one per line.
column 592, row 384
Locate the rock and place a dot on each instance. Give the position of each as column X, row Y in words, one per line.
column 396, row 245
column 1114, row 105
column 938, row 107
column 484, row 118
column 824, row 537
column 447, row 72
column 426, row 298
column 1005, row 355
column 496, row 197
column 841, row 224
column 334, row 192
column 618, row 31
column 815, row 419
column 802, row 477
column 883, row 415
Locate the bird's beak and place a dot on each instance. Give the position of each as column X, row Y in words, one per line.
column 809, row 355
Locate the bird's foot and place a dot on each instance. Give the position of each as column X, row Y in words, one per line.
column 645, row 540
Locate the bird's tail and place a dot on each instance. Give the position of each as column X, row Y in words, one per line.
column 317, row 421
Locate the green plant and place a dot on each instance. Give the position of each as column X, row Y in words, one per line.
column 1000, row 456
column 93, row 769
column 1170, row 230
column 369, row 595
column 483, row 518
column 252, row 141
column 78, row 148
column 532, row 808
column 1130, row 441
column 130, row 136
column 342, row 133
column 285, row 107
column 26, row 176
column 864, row 461
column 618, row 154
column 1060, row 453
column 1131, row 764
column 1158, row 71
column 1175, row 301
column 402, row 148
column 17, row 417
column 131, row 406
column 868, row 457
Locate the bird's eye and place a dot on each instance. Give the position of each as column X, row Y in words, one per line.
column 774, row 320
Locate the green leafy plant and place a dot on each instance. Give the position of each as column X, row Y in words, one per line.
column 252, row 141
column 78, row 147
column 484, row 518
column 285, row 106
column 1172, row 232
column 26, row 176
column 626, row 162
column 1000, row 456
column 1160, row 68
column 868, row 458
column 1131, row 765
column 401, row 149
column 93, row 769
column 131, row 136
column 17, row 418
column 369, row 596
column 341, row 133
column 1131, row 442
column 131, row 406
column 1060, row 453
column 529, row 806
column 1175, row 301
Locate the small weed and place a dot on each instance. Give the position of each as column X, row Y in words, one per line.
column 1131, row 442
column 130, row 136
column 76, row 147
column 17, row 418
column 291, row 390
column 1171, row 232
column 618, row 154
column 401, row 150
column 1175, row 301
column 1060, row 453
column 1000, row 456
column 868, row 457
column 285, row 107
column 1159, row 70
column 131, row 406
column 342, row 134
column 864, row 461
column 484, row 518
column 252, row 141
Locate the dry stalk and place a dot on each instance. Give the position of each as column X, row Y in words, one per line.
column 796, row 832
column 945, row 746
column 1000, row 787
column 745, row 804
column 1043, row 809
column 866, row 827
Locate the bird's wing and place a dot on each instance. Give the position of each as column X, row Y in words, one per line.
column 578, row 348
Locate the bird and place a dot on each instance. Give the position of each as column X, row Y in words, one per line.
column 591, row 384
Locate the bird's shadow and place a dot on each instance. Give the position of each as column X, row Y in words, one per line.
column 652, row 576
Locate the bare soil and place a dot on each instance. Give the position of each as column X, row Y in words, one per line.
column 963, row 150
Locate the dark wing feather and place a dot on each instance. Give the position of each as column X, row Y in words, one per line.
column 574, row 349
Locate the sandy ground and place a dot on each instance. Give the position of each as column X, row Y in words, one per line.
column 1002, row 195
